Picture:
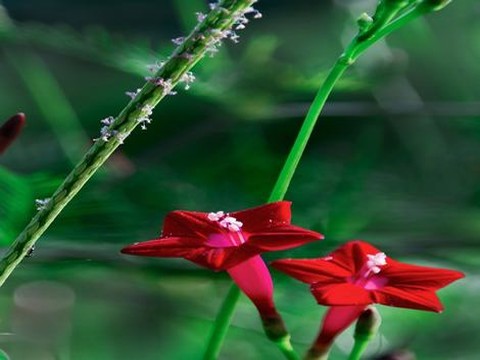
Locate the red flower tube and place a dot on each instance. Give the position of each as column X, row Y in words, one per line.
column 232, row 242
column 10, row 130
column 358, row 274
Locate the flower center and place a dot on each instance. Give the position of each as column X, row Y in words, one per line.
column 368, row 277
column 234, row 236
column 226, row 221
column 374, row 262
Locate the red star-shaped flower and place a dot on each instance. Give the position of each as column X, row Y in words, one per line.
column 220, row 240
column 358, row 274
column 10, row 130
column 231, row 242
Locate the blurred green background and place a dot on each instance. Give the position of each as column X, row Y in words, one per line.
column 394, row 160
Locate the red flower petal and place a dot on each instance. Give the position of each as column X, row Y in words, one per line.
column 312, row 270
column 163, row 247
column 253, row 278
column 336, row 320
column 10, row 130
column 219, row 259
column 189, row 224
column 341, row 294
column 400, row 274
column 353, row 255
column 191, row 249
column 410, row 298
column 264, row 217
column 281, row 238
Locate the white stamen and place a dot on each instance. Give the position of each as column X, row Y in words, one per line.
column 215, row 216
column 231, row 224
column 375, row 261
column 378, row 259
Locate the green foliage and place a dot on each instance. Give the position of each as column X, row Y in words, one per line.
column 18, row 196
column 394, row 162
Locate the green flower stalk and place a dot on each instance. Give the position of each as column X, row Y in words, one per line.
column 205, row 38
column 365, row 330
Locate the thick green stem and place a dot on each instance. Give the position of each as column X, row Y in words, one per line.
column 351, row 53
column 287, row 350
column 222, row 322
column 358, row 348
column 186, row 55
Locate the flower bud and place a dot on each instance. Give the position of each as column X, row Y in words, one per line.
column 10, row 130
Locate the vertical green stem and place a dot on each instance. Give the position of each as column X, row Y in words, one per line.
column 351, row 53
column 219, row 329
column 205, row 35
column 222, row 322
column 293, row 159
column 358, row 348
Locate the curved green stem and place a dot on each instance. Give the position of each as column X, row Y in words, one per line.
column 287, row 350
column 351, row 53
column 185, row 56
column 359, row 348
